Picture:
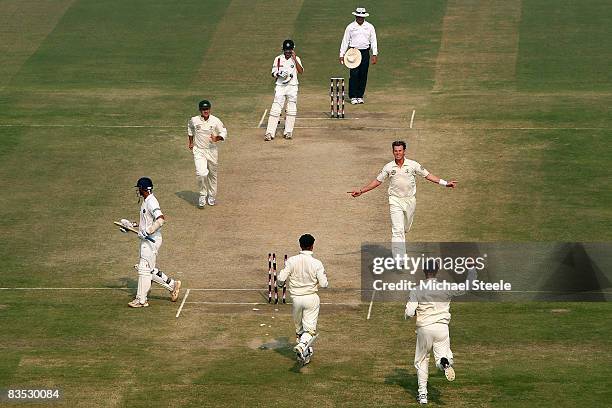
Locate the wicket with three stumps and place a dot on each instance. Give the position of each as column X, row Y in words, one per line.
column 272, row 284
column 335, row 86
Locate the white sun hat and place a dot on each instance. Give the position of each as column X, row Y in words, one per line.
column 352, row 58
column 360, row 12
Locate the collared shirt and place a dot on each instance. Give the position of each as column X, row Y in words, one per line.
column 303, row 274
column 433, row 306
column 402, row 182
column 149, row 212
column 288, row 65
column 202, row 130
column 360, row 37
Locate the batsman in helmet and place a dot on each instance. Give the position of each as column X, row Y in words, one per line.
column 149, row 231
column 285, row 70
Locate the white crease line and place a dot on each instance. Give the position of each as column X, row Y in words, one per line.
column 178, row 313
column 263, row 303
column 412, row 118
column 371, row 304
column 262, row 119
column 122, row 288
column 334, row 119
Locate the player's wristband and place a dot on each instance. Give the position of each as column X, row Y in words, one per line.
column 443, row 182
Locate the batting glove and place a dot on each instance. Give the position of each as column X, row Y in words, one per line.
column 126, row 223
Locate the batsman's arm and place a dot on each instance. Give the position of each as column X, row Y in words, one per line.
column 157, row 224
column 190, row 143
column 370, row 186
column 438, row 180
column 298, row 65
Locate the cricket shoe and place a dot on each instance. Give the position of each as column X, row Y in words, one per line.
column 359, row 100
column 449, row 371
column 211, row 200
column 422, row 399
column 299, row 349
column 136, row 303
column 175, row 292
column 202, row 202
column 288, row 135
column 308, row 356
column 354, row 101
column 268, row 137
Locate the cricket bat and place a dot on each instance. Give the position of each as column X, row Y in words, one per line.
column 117, row 223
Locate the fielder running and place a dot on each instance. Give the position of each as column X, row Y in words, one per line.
column 402, row 192
column 432, row 310
column 285, row 69
column 205, row 131
column 151, row 221
column 303, row 274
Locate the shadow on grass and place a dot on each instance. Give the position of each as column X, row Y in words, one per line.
column 285, row 349
column 190, row 197
column 408, row 381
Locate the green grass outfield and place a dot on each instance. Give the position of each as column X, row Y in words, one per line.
column 512, row 98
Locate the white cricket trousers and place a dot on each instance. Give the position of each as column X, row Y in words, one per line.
column 402, row 215
column 305, row 313
column 282, row 93
column 206, row 170
column 146, row 263
column 434, row 336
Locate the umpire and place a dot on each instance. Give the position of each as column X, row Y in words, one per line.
column 360, row 35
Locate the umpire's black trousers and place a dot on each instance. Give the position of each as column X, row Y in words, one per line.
column 359, row 76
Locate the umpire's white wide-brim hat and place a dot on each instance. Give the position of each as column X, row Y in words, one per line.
column 360, row 12
column 352, row 58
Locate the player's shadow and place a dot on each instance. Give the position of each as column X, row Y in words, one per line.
column 190, row 196
column 408, row 381
column 285, row 349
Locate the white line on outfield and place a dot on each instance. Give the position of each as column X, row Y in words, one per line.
column 178, row 313
column 33, row 125
column 262, row 118
column 262, row 303
column 90, row 126
column 118, row 288
column 371, row 304
column 412, row 118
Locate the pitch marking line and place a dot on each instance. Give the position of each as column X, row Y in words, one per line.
column 178, row 313
column 371, row 304
column 412, row 118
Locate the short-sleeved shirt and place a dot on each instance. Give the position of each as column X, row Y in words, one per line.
column 202, row 130
column 303, row 274
column 149, row 212
column 288, row 65
column 402, row 181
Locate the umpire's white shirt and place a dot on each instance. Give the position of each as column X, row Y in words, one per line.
column 402, row 181
column 360, row 37
column 303, row 274
column 288, row 65
column 202, row 130
column 149, row 212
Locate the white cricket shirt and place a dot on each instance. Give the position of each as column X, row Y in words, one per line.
column 402, row 181
column 288, row 65
column 149, row 212
column 202, row 130
column 303, row 274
